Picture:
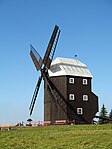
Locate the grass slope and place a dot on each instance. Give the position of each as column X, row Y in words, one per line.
column 58, row 137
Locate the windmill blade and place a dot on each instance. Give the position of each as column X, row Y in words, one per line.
column 37, row 60
column 35, row 94
column 51, row 47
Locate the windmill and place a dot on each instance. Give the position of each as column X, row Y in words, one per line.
column 43, row 65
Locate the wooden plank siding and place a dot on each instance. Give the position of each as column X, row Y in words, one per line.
column 52, row 111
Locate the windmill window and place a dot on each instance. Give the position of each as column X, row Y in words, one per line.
column 71, row 80
column 79, row 111
column 71, row 96
column 85, row 97
column 85, row 81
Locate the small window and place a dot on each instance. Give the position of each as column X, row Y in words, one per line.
column 85, row 97
column 71, row 80
column 85, row 81
column 79, row 111
column 71, row 96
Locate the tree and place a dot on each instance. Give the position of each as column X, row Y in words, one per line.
column 110, row 114
column 103, row 116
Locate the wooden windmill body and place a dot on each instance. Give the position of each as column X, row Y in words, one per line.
column 73, row 79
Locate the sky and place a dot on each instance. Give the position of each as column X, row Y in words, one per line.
column 86, row 31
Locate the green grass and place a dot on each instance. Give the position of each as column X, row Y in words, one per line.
column 58, row 137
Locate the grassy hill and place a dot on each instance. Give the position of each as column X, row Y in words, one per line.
column 58, row 137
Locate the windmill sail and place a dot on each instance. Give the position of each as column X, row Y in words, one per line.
column 37, row 60
column 51, row 47
column 35, row 95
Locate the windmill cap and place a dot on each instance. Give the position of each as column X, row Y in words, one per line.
column 66, row 66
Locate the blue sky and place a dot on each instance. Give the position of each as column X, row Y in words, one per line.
column 86, row 30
